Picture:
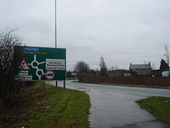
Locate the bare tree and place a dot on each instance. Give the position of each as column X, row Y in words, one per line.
column 167, row 54
column 82, row 67
column 153, row 66
column 7, row 58
column 114, row 68
column 103, row 67
column 8, row 67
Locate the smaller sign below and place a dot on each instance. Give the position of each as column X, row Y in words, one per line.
column 26, row 78
column 23, row 73
column 49, row 75
column 55, row 64
column 23, row 65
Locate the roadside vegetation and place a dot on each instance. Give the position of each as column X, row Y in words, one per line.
column 145, row 77
column 158, row 106
column 48, row 107
column 30, row 105
column 9, row 87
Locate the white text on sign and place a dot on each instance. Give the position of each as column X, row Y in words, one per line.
column 55, row 64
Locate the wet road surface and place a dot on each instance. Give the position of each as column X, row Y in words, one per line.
column 115, row 107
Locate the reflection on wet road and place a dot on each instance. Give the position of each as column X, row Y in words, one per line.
column 115, row 107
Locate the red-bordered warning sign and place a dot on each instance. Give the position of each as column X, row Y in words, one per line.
column 49, row 75
column 23, row 65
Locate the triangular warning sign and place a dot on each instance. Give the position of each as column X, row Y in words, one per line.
column 23, row 65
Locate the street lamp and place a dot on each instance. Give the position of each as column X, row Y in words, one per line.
column 55, row 13
column 56, row 35
column 55, row 24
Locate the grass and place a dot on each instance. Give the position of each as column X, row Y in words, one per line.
column 158, row 106
column 57, row 108
column 131, row 85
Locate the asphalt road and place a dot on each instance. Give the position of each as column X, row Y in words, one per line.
column 115, row 107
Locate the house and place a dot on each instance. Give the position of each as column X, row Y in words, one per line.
column 140, row 69
column 71, row 75
column 119, row 73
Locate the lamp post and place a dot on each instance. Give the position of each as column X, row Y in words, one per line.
column 55, row 24
column 64, row 84
column 56, row 30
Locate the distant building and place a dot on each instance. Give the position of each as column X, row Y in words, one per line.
column 119, row 73
column 72, row 75
column 140, row 69
column 156, row 73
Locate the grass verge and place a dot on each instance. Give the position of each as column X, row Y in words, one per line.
column 158, row 106
column 52, row 108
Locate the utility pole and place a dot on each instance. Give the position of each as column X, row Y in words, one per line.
column 55, row 24
column 56, row 30
column 64, row 83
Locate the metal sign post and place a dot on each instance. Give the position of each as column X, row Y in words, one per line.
column 64, row 84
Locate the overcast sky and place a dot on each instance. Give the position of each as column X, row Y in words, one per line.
column 122, row 31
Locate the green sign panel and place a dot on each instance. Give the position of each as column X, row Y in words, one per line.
column 39, row 63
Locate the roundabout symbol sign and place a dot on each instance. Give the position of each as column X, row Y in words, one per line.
column 49, row 75
column 40, row 63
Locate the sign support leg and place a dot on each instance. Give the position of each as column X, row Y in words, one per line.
column 56, row 83
column 64, row 84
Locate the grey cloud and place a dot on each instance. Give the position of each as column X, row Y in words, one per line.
column 122, row 31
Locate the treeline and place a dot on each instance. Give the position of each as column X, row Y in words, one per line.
column 82, row 70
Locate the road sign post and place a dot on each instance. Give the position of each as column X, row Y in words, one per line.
column 64, row 84
column 40, row 63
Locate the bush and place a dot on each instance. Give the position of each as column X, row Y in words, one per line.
column 8, row 68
